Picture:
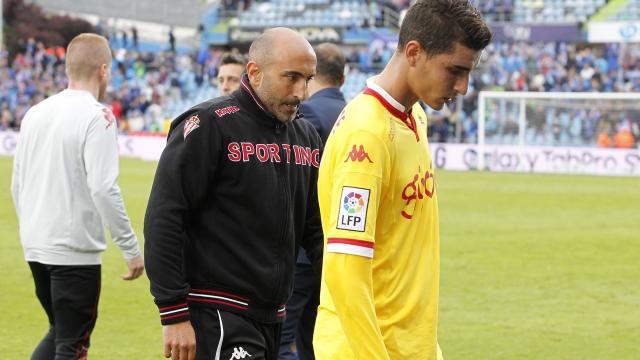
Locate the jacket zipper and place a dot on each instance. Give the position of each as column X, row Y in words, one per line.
column 285, row 197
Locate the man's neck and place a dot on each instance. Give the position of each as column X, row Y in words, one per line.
column 399, row 90
column 91, row 86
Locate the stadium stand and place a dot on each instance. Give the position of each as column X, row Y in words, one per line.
column 304, row 13
column 171, row 12
column 630, row 10
column 555, row 11
column 148, row 88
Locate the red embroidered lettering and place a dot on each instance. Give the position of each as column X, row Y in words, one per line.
column 247, row 149
column 305, row 155
column 315, row 158
column 234, row 151
column 296, row 152
column 274, row 152
column 227, row 110
column 262, row 152
column 287, row 148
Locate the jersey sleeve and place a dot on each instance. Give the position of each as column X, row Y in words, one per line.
column 101, row 165
column 360, row 162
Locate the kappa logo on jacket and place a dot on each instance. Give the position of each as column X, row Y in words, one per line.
column 227, row 110
column 239, row 353
column 191, row 124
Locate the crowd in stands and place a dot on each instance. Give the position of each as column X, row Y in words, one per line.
column 148, row 89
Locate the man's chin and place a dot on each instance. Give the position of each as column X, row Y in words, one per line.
column 435, row 105
column 285, row 118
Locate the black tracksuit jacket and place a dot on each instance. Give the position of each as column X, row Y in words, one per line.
column 233, row 199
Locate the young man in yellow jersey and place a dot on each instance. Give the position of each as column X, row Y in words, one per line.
column 378, row 198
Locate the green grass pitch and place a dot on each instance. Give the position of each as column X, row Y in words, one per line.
column 533, row 267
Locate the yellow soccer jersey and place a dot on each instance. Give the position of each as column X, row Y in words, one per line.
column 377, row 195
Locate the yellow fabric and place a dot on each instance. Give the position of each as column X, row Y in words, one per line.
column 379, row 294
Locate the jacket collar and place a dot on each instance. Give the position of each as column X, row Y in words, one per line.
column 247, row 91
column 330, row 92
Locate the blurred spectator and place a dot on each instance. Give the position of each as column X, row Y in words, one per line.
column 604, row 140
column 152, row 87
column 229, row 73
column 624, row 139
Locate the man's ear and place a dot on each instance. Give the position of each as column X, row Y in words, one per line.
column 255, row 74
column 103, row 71
column 412, row 52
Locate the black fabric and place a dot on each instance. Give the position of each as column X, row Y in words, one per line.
column 225, row 335
column 69, row 296
column 232, row 200
column 301, row 315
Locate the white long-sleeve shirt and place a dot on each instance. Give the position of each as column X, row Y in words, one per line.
column 64, row 182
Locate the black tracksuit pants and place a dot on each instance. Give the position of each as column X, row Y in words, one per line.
column 69, row 296
column 222, row 335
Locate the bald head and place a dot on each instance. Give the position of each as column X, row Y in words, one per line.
column 275, row 42
column 281, row 63
column 86, row 53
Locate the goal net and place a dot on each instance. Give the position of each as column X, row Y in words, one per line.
column 553, row 119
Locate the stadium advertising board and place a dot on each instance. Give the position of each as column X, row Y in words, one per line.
column 461, row 157
column 313, row 34
column 8, row 142
column 614, row 31
column 523, row 32
column 539, row 159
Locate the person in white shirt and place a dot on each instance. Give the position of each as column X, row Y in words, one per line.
column 65, row 191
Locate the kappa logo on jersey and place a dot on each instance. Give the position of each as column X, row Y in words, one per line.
column 358, row 154
column 227, row 110
column 239, row 353
column 108, row 117
column 422, row 185
column 353, row 209
column 191, row 124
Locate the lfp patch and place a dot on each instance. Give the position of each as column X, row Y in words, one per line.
column 191, row 124
column 353, row 209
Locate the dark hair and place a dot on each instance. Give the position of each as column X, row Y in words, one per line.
column 230, row 58
column 439, row 24
column 330, row 66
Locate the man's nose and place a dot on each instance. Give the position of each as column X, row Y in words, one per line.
column 462, row 85
column 300, row 89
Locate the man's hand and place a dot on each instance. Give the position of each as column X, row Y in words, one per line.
column 179, row 341
column 136, row 267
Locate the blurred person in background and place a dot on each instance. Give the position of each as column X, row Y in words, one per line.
column 624, row 138
column 321, row 109
column 230, row 72
column 65, row 191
